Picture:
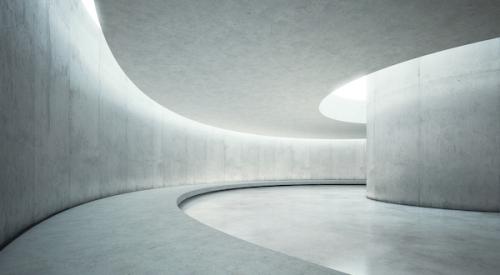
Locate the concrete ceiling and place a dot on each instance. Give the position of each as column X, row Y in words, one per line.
column 264, row 66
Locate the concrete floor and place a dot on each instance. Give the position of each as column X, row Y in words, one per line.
column 336, row 226
column 143, row 232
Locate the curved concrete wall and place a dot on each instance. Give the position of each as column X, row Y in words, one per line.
column 74, row 128
column 434, row 130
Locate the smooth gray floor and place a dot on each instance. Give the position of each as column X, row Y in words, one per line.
column 143, row 233
column 338, row 227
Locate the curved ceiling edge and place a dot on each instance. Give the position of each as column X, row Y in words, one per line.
column 347, row 103
column 263, row 67
column 91, row 9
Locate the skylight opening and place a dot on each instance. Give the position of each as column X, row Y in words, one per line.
column 354, row 90
column 90, row 7
column 347, row 103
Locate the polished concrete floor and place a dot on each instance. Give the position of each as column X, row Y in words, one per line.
column 338, row 227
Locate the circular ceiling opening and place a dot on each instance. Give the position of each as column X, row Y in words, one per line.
column 347, row 103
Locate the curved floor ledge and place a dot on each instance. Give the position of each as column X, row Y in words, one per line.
column 145, row 232
column 339, row 228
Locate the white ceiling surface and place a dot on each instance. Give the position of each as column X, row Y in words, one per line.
column 263, row 67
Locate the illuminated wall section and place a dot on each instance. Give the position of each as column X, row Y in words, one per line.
column 434, row 130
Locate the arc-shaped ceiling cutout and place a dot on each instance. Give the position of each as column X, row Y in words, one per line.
column 347, row 103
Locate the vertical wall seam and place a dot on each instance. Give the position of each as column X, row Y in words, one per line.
column 419, row 136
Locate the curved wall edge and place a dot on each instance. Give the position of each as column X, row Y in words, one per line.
column 434, row 130
column 75, row 128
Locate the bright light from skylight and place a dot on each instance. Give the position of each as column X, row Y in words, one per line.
column 90, row 7
column 354, row 90
column 347, row 103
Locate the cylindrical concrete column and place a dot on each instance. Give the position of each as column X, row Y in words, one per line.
column 434, row 130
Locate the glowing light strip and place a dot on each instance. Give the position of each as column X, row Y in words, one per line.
column 90, row 7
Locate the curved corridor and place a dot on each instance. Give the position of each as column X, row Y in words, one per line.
column 338, row 227
column 114, row 115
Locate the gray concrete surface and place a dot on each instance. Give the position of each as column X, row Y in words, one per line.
column 264, row 66
column 434, row 130
column 144, row 233
column 338, row 227
column 74, row 128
